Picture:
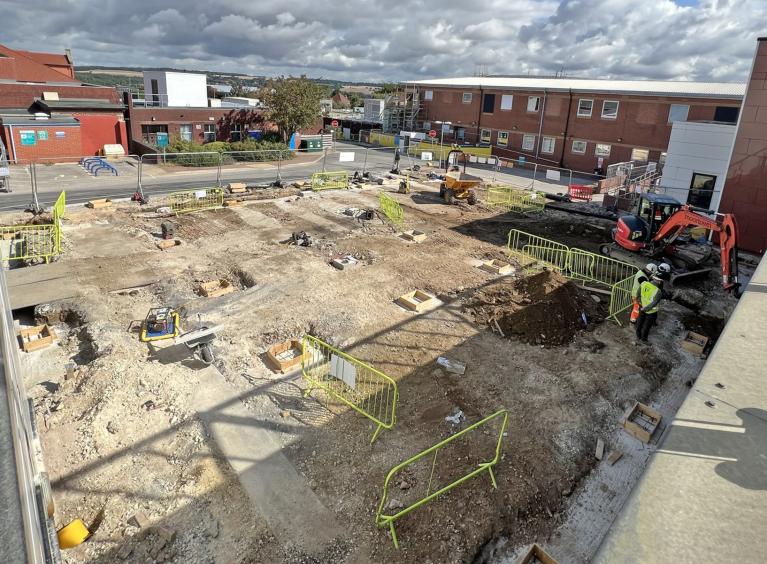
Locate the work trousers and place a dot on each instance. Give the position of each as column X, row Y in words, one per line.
column 644, row 324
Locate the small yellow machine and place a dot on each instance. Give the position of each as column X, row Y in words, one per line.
column 458, row 185
column 160, row 323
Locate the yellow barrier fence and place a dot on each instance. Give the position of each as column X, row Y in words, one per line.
column 33, row 242
column 391, row 209
column 513, row 199
column 582, row 266
column 196, row 200
column 330, row 180
column 382, row 519
column 366, row 390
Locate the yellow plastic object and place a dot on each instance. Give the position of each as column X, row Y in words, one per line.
column 73, row 534
column 145, row 338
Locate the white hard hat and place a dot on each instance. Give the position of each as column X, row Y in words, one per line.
column 664, row 267
column 651, row 267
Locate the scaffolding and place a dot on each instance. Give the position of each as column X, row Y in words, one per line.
column 401, row 110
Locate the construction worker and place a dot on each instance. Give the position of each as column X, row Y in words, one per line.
column 649, row 296
column 642, row 275
column 664, row 271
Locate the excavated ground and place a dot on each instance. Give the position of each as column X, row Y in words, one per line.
column 123, row 435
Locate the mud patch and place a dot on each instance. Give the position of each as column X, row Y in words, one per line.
column 193, row 226
column 543, row 309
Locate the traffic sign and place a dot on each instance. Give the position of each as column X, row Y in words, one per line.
column 432, row 133
column 334, row 123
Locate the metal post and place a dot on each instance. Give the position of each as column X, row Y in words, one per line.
column 441, row 151
column 365, row 164
column 535, row 173
column 139, row 187
column 33, row 176
column 218, row 172
column 324, row 157
column 279, row 162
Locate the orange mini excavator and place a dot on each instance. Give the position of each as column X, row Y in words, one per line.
column 657, row 228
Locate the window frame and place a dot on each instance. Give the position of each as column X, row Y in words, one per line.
column 671, row 108
column 236, row 128
column 511, row 102
column 591, row 107
column 617, row 108
column 640, row 149
column 598, row 145
column 181, row 132
column 484, row 103
column 532, row 144
column 470, row 100
column 428, row 95
column 553, row 140
column 537, row 104
column 205, row 133
column 482, row 135
column 505, row 140
column 693, row 198
column 585, row 147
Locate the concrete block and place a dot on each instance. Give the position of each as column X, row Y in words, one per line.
column 414, row 235
column 101, row 203
column 344, row 262
column 140, row 520
column 418, row 301
column 215, row 288
column 497, row 267
column 237, row 187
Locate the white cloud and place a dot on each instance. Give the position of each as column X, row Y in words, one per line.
column 385, row 40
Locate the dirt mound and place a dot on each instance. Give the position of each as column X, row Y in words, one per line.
column 543, row 309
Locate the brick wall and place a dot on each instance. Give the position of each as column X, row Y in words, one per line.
column 63, row 141
column 642, row 122
column 745, row 189
column 21, row 95
column 98, row 130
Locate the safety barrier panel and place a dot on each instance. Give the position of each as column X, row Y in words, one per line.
column 33, row 242
column 383, row 520
column 391, row 209
column 582, row 266
column 511, row 199
column 330, row 180
column 196, row 200
column 366, row 390
column 580, row 192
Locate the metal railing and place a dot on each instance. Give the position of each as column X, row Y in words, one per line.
column 383, row 520
column 391, row 209
column 366, row 390
column 30, row 242
column 196, row 200
column 513, row 199
column 333, row 180
column 576, row 264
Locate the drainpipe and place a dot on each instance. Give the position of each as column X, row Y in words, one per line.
column 567, row 128
column 13, row 143
column 479, row 114
column 540, row 128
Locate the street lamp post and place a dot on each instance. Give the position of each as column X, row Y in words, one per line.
column 442, row 125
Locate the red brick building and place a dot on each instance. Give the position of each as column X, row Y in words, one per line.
column 46, row 113
column 574, row 123
column 745, row 189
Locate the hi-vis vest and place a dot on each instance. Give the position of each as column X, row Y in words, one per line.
column 639, row 277
column 648, row 295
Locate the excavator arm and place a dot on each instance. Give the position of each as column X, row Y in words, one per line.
column 724, row 225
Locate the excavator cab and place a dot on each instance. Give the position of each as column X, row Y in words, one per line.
column 634, row 232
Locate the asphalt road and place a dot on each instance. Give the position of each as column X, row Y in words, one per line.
column 80, row 187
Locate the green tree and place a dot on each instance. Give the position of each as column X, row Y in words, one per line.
column 355, row 99
column 292, row 103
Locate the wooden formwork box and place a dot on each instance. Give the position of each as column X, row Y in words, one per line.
column 35, row 338
column 216, row 288
column 536, row 555
column 417, row 301
column 285, row 356
column 648, row 414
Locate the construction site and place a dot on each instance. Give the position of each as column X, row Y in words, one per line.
column 410, row 366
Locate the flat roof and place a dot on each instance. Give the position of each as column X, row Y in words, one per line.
column 703, row 496
column 32, row 122
column 83, row 103
column 733, row 90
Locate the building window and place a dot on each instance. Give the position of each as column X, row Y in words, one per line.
column 467, row 97
column 726, row 114
column 149, row 132
column 579, row 147
column 602, row 150
column 678, row 112
column 701, row 190
column 428, row 95
column 209, row 133
column 235, row 134
column 427, row 126
column 585, row 107
column 547, row 145
column 185, row 132
column 503, row 138
column 484, row 136
column 533, row 103
column 609, row 109
column 528, row 142
column 488, row 104
column 640, row 155
column 506, row 101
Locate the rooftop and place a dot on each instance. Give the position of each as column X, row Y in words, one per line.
column 734, row 90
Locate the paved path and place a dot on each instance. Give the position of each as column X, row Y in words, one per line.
column 278, row 492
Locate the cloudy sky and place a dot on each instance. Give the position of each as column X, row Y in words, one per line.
column 400, row 39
